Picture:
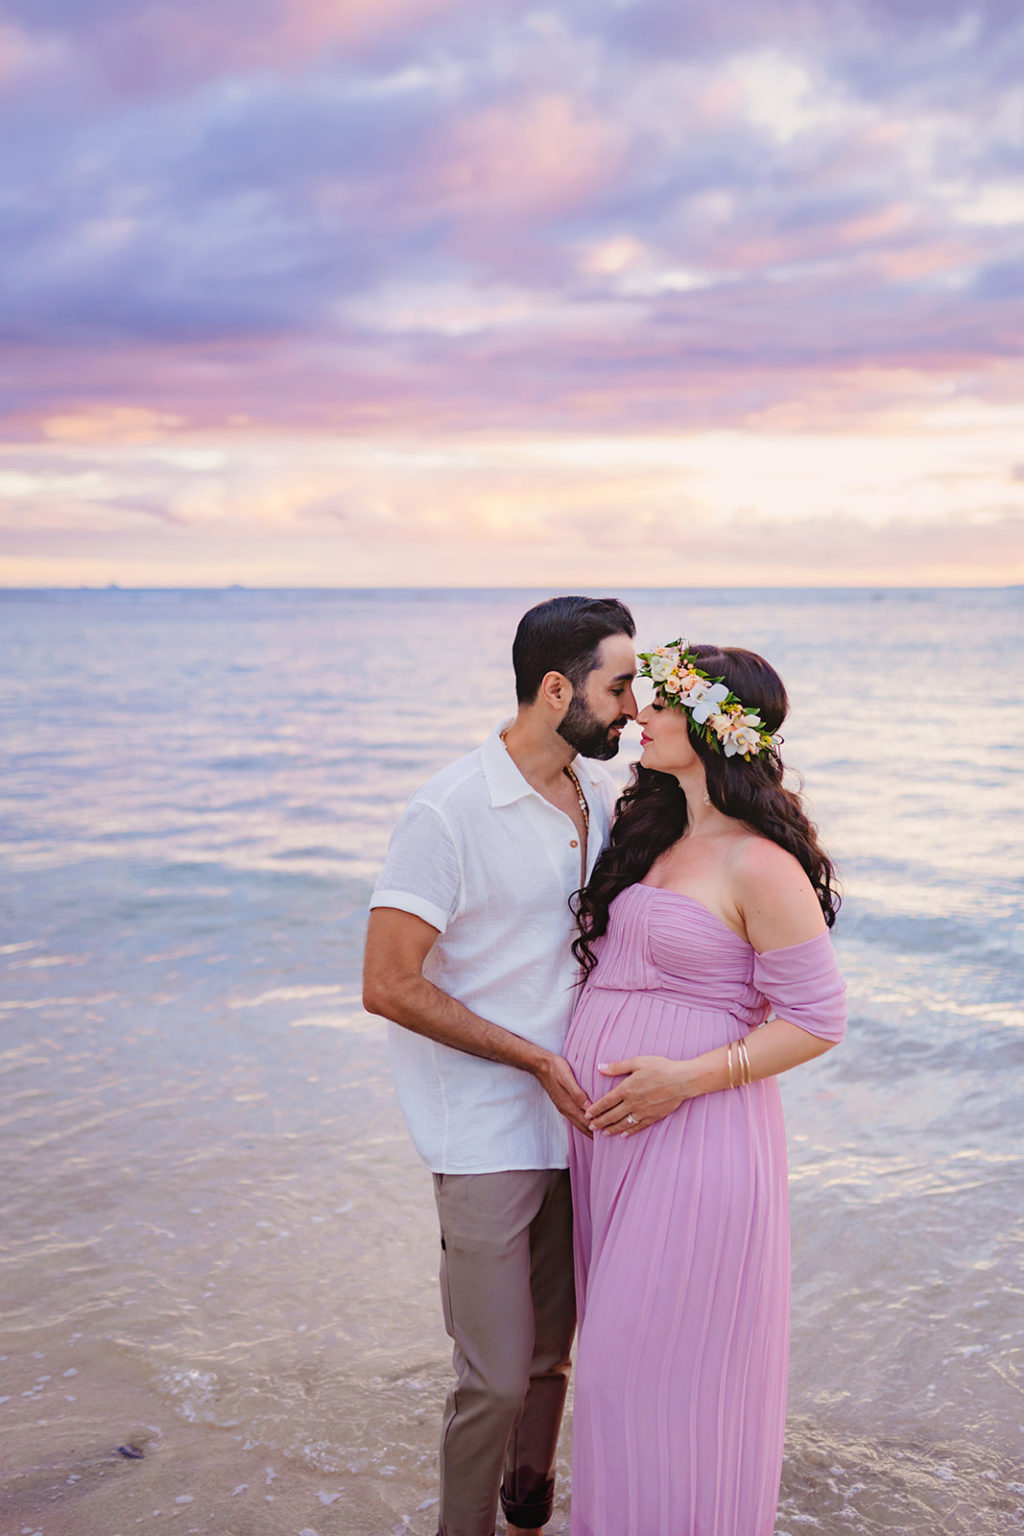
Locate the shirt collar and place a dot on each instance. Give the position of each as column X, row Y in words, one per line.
column 504, row 781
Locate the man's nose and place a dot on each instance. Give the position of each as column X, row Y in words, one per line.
column 630, row 705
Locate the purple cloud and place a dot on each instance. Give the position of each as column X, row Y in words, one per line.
column 656, row 213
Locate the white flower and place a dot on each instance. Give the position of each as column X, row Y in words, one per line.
column 742, row 739
column 661, row 666
column 704, row 699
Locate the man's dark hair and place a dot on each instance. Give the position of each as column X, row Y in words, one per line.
column 563, row 635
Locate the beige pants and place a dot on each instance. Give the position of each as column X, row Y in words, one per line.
column 510, row 1308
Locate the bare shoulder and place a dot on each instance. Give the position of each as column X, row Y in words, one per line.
column 757, row 861
column 779, row 905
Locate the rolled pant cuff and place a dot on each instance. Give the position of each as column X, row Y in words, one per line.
column 530, row 1517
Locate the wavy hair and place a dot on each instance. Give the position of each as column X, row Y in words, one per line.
column 651, row 814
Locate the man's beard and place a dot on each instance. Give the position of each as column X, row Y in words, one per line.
column 588, row 735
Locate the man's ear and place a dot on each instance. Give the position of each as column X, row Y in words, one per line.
column 556, row 691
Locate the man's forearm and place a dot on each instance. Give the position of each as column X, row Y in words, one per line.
column 418, row 1005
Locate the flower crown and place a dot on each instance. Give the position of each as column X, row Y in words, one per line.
column 716, row 715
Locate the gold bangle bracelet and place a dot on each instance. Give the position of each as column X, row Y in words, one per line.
column 729, row 1067
column 744, row 1063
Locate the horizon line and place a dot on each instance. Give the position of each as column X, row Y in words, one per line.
column 803, row 586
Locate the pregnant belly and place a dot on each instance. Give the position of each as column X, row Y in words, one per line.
column 613, row 1026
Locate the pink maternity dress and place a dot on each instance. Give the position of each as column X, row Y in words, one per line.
column 682, row 1231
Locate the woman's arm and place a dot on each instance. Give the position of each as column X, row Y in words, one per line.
column 779, row 909
column 651, row 1087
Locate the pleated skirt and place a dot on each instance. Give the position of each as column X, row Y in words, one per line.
column 683, row 1278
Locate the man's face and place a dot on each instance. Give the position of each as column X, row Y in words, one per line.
column 604, row 704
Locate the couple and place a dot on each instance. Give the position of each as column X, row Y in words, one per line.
column 703, row 906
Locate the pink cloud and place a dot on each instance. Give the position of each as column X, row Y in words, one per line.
column 27, row 58
column 384, row 217
column 138, row 46
column 537, row 155
column 678, row 376
column 307, row 25
column 111, row 424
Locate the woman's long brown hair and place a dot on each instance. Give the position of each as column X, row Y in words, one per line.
column 651, row 813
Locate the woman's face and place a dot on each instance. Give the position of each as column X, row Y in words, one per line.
column 665, row 738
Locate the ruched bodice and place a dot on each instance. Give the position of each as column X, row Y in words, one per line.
column 667, row 943
column 682, row 1231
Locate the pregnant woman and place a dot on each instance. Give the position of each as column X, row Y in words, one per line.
column 707, row 915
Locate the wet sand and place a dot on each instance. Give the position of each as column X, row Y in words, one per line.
column 304, row 1394
column 72, row 1480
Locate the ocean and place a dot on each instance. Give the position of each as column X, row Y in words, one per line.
column 217, row 1249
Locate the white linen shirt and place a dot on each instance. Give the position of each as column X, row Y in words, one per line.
column 487, row 861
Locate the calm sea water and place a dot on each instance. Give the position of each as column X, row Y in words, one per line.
column 218, row 1247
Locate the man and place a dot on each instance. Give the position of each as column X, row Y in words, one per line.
column 468, row 955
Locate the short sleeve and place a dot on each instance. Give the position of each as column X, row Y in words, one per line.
column 803, row 985
column 422, row 873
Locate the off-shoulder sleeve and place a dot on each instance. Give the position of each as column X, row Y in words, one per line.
column 803, row 985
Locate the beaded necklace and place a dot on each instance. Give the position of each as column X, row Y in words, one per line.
column 581, row 797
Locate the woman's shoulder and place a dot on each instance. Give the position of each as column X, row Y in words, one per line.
column 774, row 894
column 757, row 858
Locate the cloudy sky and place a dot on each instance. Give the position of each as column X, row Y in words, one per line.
column 370, row 292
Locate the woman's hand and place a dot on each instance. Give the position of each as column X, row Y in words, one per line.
column 651, row 1087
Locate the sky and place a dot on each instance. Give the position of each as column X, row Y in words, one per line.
column 453, row 292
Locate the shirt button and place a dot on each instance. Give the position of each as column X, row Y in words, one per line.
column 573, row 843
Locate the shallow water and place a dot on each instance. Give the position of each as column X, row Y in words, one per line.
column 218, row 1246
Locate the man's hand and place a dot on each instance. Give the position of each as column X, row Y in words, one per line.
column 556, row 1078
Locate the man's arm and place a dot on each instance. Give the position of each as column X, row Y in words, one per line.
column 394, row 986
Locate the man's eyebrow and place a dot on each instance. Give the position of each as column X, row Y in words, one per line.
column 624, row 677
